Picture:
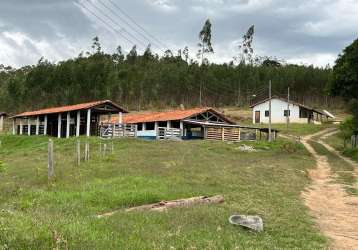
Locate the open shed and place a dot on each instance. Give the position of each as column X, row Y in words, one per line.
column 195, row 123
column 66, row 121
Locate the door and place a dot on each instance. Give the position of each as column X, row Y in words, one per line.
column 257, row 116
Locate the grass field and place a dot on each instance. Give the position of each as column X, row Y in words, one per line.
column 37, row 214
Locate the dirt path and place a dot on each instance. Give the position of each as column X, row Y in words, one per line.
column 335, row 211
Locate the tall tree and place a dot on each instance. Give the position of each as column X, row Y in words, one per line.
column 96, row 46
column 345, row 78
column 246, row 50
column 205, row 46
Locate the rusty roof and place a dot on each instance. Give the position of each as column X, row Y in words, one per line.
column 168, row 115
column 68, row 108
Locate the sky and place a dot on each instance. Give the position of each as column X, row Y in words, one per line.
column 302, row 32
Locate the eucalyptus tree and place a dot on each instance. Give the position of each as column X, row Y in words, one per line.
column 205, row 47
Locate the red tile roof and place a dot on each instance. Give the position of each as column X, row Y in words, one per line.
column 166, row 115
column 75, row 107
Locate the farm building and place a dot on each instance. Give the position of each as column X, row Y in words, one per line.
column 196, row 123
column 65, row 121
column 280, row 108
column 3, row 116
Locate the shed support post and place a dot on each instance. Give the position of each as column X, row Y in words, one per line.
column 120, row 118
column 21, row 127
column 1, row 123
column 181, row 128
column 37, row 125
column 45, row 125
column 144, row 126
column 59, row 125
column 222, row 134
column 13, row 126
column 156, row 130
column 78, row 123
column 68, row 119
column 28, row 126
column 88, row 125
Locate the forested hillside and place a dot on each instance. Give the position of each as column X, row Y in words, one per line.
column 151, row 81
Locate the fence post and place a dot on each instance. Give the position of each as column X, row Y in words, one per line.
column 354, row 141
column 78, row 150
column 87, row 151
column 104, row 149
column 50, row 159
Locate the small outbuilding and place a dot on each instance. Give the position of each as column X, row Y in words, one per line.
column 282, row 110
column 66, row 121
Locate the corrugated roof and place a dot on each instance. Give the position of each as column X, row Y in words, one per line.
column 68, row 108
column 2, row 113
column 167, row 115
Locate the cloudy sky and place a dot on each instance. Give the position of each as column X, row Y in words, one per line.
column 305, row 31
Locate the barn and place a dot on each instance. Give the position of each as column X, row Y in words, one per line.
column 281, row 108
column 66, row 121
column 195, row 123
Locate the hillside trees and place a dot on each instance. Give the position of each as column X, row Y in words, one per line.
column 148, row 80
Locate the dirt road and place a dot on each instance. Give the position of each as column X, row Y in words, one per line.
column 335, row 211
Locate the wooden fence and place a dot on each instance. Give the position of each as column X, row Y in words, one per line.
column 222, row 134
column 112, row 130
column 168, row 133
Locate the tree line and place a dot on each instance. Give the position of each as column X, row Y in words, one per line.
column 148, row 80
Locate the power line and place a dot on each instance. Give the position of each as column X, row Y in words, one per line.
column 108, row 26
column 138, row 25
column 128, row 23
column 115, row 22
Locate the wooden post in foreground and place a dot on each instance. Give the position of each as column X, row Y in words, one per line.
column 50, row 159
column 87, row 151
column 78, row 152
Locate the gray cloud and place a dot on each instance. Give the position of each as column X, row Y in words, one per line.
column 308, row 31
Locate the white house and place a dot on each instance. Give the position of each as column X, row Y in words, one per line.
column 297, row 113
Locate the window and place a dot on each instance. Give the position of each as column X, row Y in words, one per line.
column 303, row 113
column 162, row 124
column 267, row 113
column 175, row 124
column 285, row 112
column 139, row 126
column 150, row 126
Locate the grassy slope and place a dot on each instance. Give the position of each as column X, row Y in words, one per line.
column 267, row 183
column 336, row 141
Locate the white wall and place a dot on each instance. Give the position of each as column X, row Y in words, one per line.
column 278, row 106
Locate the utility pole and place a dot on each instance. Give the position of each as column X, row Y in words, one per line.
column 288, row 107
column 239, row 94
column 270, row 139
column 200, row 94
